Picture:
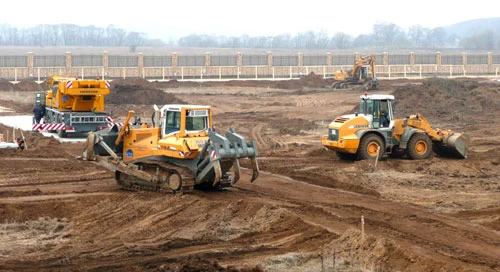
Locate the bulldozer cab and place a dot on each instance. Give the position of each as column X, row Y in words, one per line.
column 184, row 119
column 379, row 108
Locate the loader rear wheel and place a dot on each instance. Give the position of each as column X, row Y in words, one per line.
column 370, row 146
column 346, row 156
column 419, row 147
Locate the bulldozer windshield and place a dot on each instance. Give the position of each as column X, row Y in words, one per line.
column 173, row 122
column 197, row 120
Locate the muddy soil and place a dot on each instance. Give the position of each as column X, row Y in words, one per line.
column 307, row 211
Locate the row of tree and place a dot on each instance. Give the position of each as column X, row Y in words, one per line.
column 384, row 36
column 72, row 35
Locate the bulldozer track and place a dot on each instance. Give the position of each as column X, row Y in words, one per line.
column 187, row 181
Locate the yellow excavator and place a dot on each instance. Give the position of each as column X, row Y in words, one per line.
column 373, row 133
column 178, row 152
column 362, row 73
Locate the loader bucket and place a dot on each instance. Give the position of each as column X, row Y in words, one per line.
column 456, row 145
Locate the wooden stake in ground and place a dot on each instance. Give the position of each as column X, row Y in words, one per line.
column 362, row 228
column 376, row 159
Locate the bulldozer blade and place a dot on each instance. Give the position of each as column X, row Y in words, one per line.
column 217, row 171
column 255, row 168
column 237, row 171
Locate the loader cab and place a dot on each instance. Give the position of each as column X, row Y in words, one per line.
column 379, row 108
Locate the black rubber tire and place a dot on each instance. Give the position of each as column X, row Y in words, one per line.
column 398, row 152
column 346, row 156
column 419, row 147
column 62, row 134
column 368, row 146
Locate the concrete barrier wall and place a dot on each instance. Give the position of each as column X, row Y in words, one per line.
column 198, row 67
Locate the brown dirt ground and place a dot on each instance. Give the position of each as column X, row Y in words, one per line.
column 303, row 213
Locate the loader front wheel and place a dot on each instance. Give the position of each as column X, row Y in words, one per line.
column 370, row 147
column 419, row 147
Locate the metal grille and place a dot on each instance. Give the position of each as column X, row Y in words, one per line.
column 191, row 61
column 477, row 59
column 86, row 60
column 157, row 61
column 49, row 61
column 254, row 60
column 495, row 59
column 123, row 61
column 425, row 59
column 314, row 60
column 451, row 59
column 13, row 61
column 285, row 61
column 396, row 59
column 343, row 59
column 223, row 60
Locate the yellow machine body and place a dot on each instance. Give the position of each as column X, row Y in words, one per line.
column 68, row 93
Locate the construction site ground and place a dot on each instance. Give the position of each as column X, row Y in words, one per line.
column 307, row 211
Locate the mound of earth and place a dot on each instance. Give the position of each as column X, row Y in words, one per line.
column 445, row 100
column 138, row 91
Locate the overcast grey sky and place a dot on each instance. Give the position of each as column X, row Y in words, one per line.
column 174, row 19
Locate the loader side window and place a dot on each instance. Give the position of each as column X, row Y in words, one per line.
column 173, row 122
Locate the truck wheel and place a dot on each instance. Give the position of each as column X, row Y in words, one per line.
column 369, row 147
column 419, row 147
column 62, row 134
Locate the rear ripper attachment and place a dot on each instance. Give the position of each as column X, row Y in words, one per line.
column 179, row 155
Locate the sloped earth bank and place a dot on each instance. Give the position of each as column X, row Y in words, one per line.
column 303, row 213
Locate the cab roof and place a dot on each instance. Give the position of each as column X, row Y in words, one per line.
column 178, row 107
column 377, row 96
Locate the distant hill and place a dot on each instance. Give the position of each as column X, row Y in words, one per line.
column 469, row 28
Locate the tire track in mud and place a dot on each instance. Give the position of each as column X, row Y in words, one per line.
column 443, row 237
column 17, row 180
column 257, row 136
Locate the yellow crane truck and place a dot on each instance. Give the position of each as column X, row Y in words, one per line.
column 178, row 152
column 73, row 105
column 373, row 132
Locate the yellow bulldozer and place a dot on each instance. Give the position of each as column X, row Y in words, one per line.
column 362, row 73
column 373, row 133
column 178, row 152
